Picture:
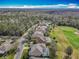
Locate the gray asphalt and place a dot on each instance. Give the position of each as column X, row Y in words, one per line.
column 20, row 46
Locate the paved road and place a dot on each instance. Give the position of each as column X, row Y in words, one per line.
column 20, row 46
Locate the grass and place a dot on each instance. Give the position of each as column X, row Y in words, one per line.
column 71, row 36
column 25, row 52
column 11, row 56
column 65, row 37
column 55, row 33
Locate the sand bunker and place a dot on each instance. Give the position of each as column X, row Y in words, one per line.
column 77, row 32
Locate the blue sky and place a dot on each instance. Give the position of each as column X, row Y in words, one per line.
column 40, row 3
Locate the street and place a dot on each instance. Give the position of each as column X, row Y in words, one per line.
column 20, row 46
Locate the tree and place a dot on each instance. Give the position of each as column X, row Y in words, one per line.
column 69, row 50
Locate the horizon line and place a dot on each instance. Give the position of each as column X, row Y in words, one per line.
column 45, row 6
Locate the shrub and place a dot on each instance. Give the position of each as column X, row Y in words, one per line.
column 69, row 50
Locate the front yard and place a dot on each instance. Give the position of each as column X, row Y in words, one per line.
column 25, row 51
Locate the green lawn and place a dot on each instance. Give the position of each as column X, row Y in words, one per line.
column 25, row 51
column 65, row 36
column 71, row 36
column 11, row 56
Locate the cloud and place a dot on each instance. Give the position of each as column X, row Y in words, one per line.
column 72, row 6
column 44, row 6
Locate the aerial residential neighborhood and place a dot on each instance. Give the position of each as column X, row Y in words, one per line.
column 39, row 29
column 37, row 37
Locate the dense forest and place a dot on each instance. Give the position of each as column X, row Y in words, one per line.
column 17, row 23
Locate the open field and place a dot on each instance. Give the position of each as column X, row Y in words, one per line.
column 71, row 35
column 65, row 36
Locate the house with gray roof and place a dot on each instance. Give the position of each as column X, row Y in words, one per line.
column 38, row 37
column 39, row 51
column 6, row 46
column 2, row 50
column 41, row 29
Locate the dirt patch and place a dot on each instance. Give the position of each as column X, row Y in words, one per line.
column 77, row 33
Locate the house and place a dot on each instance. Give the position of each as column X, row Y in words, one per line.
column 41, row 29
column 6, row 46
column 38, row 37
column 38, row 33
column 2, row 50
column 38, row 51
column 43, row 23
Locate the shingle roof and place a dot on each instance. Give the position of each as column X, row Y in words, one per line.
column 39, row 36
column 41, row 28
column 2, row 50
column 36, row 50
